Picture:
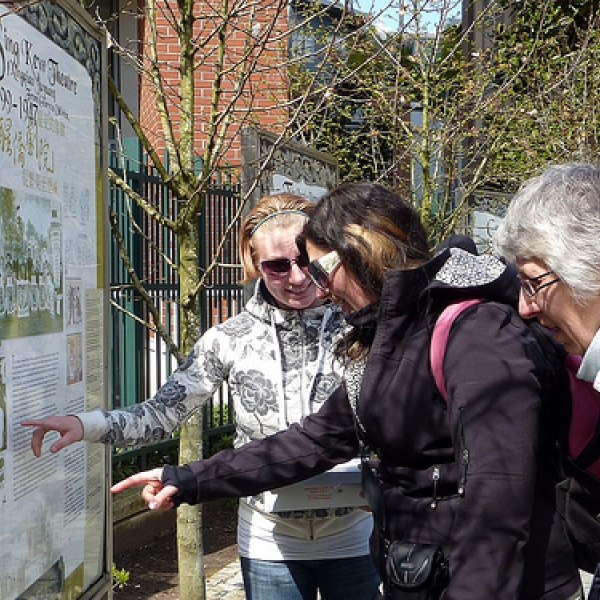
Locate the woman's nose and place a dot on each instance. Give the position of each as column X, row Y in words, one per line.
column 528, row 307
column 297, row 275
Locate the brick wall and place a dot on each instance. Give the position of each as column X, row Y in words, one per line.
column 264, row 91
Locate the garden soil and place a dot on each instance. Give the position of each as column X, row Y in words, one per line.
column 153, row 568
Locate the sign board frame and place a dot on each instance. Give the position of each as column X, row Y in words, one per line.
column 273, row 165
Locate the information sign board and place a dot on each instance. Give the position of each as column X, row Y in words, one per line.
column 486, row 211
column 53, row 351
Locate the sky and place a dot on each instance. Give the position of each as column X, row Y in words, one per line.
column 392, row 18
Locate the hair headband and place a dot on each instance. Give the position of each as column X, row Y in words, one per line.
column 286, row 211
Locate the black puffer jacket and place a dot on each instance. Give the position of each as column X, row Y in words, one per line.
column 494, row 438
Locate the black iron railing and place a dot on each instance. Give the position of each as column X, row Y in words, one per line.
column 140, row 361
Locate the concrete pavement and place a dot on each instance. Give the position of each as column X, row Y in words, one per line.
column 226, row 584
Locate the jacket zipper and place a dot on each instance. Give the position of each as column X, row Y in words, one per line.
column 436, row 477
column 462, row 484
column 464, row 464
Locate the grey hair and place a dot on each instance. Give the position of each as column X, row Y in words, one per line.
column 555, row 218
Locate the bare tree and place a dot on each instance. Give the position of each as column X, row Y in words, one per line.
column 442, row 106
column 205, row 71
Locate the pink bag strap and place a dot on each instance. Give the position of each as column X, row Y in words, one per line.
column 439, row 340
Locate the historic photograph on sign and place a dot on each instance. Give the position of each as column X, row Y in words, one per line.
column 30, row 265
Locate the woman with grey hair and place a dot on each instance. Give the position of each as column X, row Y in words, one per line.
column 552, row 232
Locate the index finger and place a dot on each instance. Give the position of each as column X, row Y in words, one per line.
column 136, row 479
column 130, row 482
column 33, row 423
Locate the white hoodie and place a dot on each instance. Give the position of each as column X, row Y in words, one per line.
column 279, row 366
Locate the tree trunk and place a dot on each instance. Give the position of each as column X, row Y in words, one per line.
column 189, row 518
column 190, row 549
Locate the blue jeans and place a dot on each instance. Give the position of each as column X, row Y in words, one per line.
column 594, row 593
column 336, row 579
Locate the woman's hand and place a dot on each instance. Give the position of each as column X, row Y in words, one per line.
column 69, row 427
column 155, row 495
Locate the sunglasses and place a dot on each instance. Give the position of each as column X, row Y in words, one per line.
column 531, row 285
column 280, row 267
column 320, row 270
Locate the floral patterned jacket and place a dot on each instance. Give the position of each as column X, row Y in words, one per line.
column 278, row 364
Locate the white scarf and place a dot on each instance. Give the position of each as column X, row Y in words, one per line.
column 590, row 365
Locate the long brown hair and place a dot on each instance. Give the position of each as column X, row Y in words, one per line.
column 374, row 230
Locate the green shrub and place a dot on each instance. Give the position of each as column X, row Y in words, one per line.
column 120, row 577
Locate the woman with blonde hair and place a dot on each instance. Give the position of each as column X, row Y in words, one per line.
column 276, row 356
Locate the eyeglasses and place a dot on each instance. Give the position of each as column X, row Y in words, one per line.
column 530, row 284
column 320, row 270
column 280, row 267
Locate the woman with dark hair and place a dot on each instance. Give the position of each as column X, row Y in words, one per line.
column 277, row 358
column 460, row 479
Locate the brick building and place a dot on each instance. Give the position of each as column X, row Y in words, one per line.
column 242, row 48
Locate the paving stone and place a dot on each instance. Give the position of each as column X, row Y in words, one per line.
column 226, row 583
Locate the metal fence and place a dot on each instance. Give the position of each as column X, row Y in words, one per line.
column 140, row 361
